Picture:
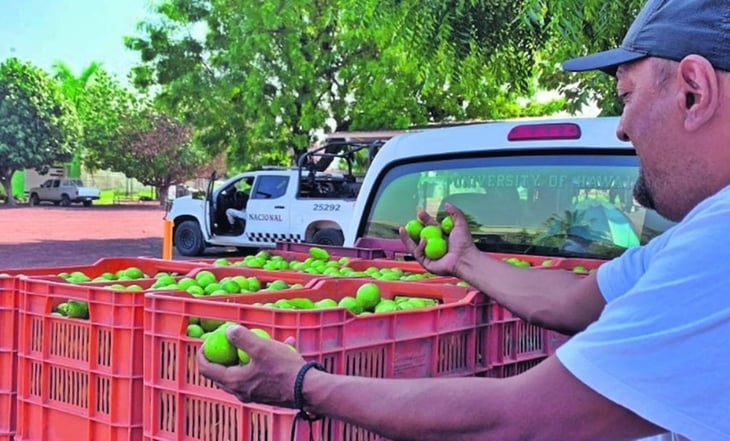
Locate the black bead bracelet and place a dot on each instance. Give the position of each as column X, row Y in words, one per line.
column 299, row 398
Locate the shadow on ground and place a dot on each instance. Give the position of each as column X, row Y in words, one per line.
column 54, row 253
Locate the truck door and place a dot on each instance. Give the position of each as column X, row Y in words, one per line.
column 47, row 189
column 268, row 210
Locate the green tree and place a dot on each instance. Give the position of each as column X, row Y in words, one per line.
column 73, row 87
column 106, row 107
column 575, row 28
column 38, row 125
column 261, row 79
column 159, row 152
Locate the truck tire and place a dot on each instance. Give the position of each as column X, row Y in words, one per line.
column 87, row 203
column 328, row 236
column 65, row 200
column 188, row 239
column 34, row 200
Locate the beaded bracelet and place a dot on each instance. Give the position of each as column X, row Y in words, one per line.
column 299, row 398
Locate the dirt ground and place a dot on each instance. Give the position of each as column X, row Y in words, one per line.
column 50, row 236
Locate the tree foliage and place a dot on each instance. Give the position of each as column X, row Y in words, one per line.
column 261, row 79
column 576, row 28
column 159, row 152
column 38, row 125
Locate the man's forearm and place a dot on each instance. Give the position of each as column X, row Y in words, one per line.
column 552, row 298
column 409, row 409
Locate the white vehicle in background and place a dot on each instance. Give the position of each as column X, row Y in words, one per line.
column 64, row 192
column 556, row 187
column 298, row 204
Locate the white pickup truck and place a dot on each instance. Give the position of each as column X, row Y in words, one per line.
column 63, row 191
column 556, row 187
column 297, row 204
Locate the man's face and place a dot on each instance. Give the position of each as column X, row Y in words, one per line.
column 649, row 122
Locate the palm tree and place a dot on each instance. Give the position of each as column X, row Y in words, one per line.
column 73, row 88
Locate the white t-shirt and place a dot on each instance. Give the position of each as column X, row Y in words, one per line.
column 661, row 346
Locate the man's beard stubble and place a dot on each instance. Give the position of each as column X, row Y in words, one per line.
column 642, row 193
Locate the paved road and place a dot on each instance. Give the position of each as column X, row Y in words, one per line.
column 49, row 236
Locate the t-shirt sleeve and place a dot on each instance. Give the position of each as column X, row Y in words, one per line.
column 660, row 346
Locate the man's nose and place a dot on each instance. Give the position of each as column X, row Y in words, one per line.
column 620, row 132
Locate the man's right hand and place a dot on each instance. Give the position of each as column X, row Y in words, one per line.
column 460, row 244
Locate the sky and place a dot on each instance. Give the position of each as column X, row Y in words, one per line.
column 75, row 32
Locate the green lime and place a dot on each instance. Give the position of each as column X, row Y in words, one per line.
column 319, row 253
column 195, row 331
column 368, row 294
column 205, row 278
column 186, row 282
column 436, row 248
column 230, row 286
column 212, row 287
column 351, row 303
column 325, row 303
column 277, row 285
column 413, row 228
column 217, row 349
column 254, row 284
column 196, row 291
column 302, row 303
column 77, row 309
column 243, row 357
column 447, row 224
column 431, row 231
column 210, row 325
column 133, row 272
column 386, row 305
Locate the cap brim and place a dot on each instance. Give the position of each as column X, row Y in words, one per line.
column 606, row 61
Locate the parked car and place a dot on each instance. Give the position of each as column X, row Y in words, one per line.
column 63, row 191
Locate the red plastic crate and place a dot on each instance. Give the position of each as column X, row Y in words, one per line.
column 436, row 341
column 571, row 262
column 79, row 379
column 8, row 354
column 535, row 261
column 509, row 340
column 148, row 265
column 511, row 369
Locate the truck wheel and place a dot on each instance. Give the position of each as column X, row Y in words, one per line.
column 87, row 203
column 34, row 200
column 328, row 236
column 65, row 200
column 188, row 239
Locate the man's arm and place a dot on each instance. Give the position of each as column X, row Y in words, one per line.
column 544, row 403
column 552, row 298
column 556, row 299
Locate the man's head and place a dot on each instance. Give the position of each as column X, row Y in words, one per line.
column 669, row 29
column 672, row 77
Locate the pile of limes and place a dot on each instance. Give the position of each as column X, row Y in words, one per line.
column 72, row 308
column 367, row 298
column 129, row 273
column 435, row 235
column 205, row 283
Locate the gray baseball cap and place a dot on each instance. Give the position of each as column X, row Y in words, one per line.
column 670, row 29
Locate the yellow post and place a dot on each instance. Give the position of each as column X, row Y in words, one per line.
column 167, row 239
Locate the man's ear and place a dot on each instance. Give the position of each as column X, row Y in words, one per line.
column 700, row 91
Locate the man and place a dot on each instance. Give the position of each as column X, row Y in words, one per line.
column 653, row 327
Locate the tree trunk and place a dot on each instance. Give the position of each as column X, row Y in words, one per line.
column 161, row 195
column 6, row 178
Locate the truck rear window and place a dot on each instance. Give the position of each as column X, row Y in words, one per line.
column 557, row 204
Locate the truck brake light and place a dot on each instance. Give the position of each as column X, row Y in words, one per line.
column 544, row 131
